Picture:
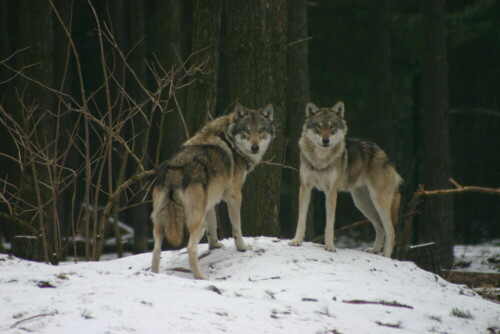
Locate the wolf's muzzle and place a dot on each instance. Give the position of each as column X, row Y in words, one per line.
column 255, row 148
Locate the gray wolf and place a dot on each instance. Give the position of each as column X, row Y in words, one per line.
column 331, row 162
column 208, row 168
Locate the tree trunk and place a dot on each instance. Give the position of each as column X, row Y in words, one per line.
column 202, row 92
column 381, row 64
column 170, row 52
column 257, row 74
column 64, row 123
column 437, row 219
column 35, row 29
column 140, row 213
column 297, row 96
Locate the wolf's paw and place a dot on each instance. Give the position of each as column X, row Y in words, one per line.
column 330, row 248
column 215, row 245
column 372, row 250
column 201, row 277
column 243, row 247
column 295, row 242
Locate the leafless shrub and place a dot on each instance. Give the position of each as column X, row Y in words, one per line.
column 87, row 146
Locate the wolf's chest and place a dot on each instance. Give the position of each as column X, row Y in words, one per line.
column 322, row 180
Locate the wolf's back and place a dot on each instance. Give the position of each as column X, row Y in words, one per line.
column 168, row 213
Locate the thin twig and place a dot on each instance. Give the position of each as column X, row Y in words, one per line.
column 33, row 317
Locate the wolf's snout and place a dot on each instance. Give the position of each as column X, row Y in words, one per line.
column 326, row 141
column 255, row 148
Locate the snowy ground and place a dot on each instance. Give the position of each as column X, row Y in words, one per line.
column 478, row 258
column 273, row 288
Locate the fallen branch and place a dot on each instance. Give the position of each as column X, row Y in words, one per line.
column 33, row 317
column 459, row 189
column 381, row 302
column 472, row 279
column 417, row 198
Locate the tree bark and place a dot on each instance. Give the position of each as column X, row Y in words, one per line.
column 202, row 94
column 257, row 76
column 62, row 82
column 35, row 29
column 382, row 87
column 437, row 220
column 170, row 52
column 297, row 96
column 140, row 213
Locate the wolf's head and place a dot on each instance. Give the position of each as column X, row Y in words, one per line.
column 325, row 126
column 252, row 130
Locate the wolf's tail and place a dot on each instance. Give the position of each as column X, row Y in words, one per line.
column 168, row 212
column 396, row 201
column 395, row 208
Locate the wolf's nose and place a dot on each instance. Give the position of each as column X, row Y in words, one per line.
column 326, row 141
column 255, row 148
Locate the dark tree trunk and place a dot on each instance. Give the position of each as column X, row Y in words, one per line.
column 382, row 90
column 170, row 52
column 437, row 219
column 140, row 213
column 202, row 93
column 62, row 82
column 35, row 29
column 6, row 145
column 297, row 96
column 257, row 76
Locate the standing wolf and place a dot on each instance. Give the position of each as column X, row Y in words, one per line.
column 331, row 162
column 208, row 168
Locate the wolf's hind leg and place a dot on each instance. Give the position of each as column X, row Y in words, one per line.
column 211, row 219
column 304, row 198
column 196, row 231
column 158, row 237
column 195, row 205
column 363, row 202
column 382, row 203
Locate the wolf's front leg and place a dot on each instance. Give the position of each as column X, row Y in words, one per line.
column 331, row 204
column 304, row 198
column 233, row 201
column 211, row 220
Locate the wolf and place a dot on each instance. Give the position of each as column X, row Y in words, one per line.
column 208, row 168
column 332, row 162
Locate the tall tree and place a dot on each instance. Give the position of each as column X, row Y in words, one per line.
column 169, row 29
column 257, row 76
column 437, row 220
column 381, row 72
column 140, row 213
column 297, row 96
column 202, row 92
column 35, row 30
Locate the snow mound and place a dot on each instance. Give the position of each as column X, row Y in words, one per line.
column 274, row 288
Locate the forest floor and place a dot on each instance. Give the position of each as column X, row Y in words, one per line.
column 274, row 288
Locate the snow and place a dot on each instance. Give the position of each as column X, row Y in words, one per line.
column 478, row 258
column 274, row 288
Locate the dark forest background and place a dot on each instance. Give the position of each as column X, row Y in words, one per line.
column 94, row 95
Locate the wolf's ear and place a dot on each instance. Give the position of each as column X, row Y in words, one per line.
column 339, row 109
column 239, row 111
column 311, row 109
column 268, row 112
